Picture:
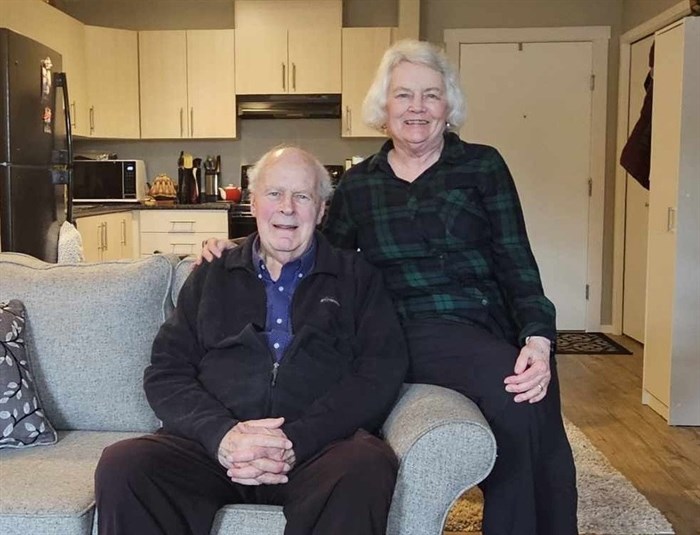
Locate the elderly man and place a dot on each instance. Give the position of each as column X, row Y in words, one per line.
column 280, row 359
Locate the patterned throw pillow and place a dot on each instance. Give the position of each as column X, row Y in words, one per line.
column 22, row 420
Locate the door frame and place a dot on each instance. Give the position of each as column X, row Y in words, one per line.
column 672, row 14
column 599, row 37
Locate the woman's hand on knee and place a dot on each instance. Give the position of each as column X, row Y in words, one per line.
column 532, row 371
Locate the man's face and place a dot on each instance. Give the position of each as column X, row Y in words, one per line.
column 286, row 206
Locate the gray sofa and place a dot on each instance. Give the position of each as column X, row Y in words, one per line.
column 89, row 333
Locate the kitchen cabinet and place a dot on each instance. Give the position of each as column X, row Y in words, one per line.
column 671, row 379
column 112, row 67
column 363, row 49
column 187, row 84
column 273, row 60
column 179, row 232
column 39, row 21
column 106, row 237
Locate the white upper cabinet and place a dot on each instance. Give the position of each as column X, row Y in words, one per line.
column 288, row 46
column 187, row 84
column 43, row 23
column 363, row 49
column 211, row 88
column 163, row 84
column 314, row 60
column 272, row 60
column 112, row 82
column 261, row 61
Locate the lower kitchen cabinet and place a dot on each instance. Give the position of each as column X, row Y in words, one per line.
column 106, row 237
column 179, row 232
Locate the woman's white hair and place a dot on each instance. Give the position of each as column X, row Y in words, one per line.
column 324, row 189
column 422, row 53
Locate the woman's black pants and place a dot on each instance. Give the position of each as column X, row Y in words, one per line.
column 532, row 488
column 167, row 485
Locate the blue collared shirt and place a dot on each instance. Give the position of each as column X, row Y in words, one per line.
column 278, row 325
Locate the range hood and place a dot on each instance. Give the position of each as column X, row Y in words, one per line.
column 288, row 106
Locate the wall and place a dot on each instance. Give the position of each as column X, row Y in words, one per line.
column 635, row 12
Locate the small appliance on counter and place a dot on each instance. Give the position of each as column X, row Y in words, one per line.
column 212, row 173
column 187, row 187
column 108, row 180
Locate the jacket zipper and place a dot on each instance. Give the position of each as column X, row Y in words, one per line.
column 275, row 367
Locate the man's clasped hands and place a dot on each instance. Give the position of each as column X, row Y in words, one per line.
column 257, row 452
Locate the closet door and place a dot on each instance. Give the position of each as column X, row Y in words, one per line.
column 636, row 207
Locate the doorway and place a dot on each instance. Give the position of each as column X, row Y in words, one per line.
column 539, row 95
column 532, row 101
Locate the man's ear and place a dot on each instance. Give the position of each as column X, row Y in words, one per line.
column 322, row 211
column 252, row 204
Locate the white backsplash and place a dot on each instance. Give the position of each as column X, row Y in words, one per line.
column 255, row 137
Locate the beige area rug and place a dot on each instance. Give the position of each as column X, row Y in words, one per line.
column 608, row 503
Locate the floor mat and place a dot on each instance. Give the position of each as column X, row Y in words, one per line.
column 578, row 343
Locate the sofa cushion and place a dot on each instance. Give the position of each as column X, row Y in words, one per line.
column 249, row 520
column 90, row 329
column 52, row 489
column 22, row 421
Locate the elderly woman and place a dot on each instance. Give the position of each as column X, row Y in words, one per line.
column 441, row 218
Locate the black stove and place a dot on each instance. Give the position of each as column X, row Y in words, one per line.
column 241, row 222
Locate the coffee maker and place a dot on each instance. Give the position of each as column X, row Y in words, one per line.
column 210, row 179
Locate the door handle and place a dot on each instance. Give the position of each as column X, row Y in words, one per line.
column 181, row 112
column 348, row 120
column 294, row 76
column 123, row 232
column 104, row 230
column 284, row 77
column 671, row 219
column 192, row 122
column 92, row 119
column 99, row 238
column 73, row 114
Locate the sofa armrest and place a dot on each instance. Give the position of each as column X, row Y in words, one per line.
column 444, row 446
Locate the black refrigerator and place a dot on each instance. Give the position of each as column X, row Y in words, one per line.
column 35, row 147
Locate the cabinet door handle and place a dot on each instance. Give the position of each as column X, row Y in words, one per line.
column 284, row 77
column 671, row 219
column 192, row 122
column 72, row 114
column 123, row 231
column 348, row 120
column 99, row 238
column 177, row 227
column 189, row 247
column 294, row 76
column 181, row 121
column 92, row 119
column 104, row 230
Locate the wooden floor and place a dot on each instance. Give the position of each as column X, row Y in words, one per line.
column 602, row 396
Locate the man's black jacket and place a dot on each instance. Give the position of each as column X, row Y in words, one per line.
column 211, row 366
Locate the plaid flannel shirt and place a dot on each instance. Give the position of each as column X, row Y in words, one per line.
column 451, row 244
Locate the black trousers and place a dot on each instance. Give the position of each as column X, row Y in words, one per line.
column 167, row 485
column 532, row 488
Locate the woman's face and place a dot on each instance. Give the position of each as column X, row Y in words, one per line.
column 416, row 105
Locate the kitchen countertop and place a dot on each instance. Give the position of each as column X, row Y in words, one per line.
column 87, row 210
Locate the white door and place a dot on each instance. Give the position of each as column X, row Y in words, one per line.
column 636, row 208
column 532, row 101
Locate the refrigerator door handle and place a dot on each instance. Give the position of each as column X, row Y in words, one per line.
column 65, row 157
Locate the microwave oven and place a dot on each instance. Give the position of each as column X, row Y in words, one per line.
column 109, row 180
